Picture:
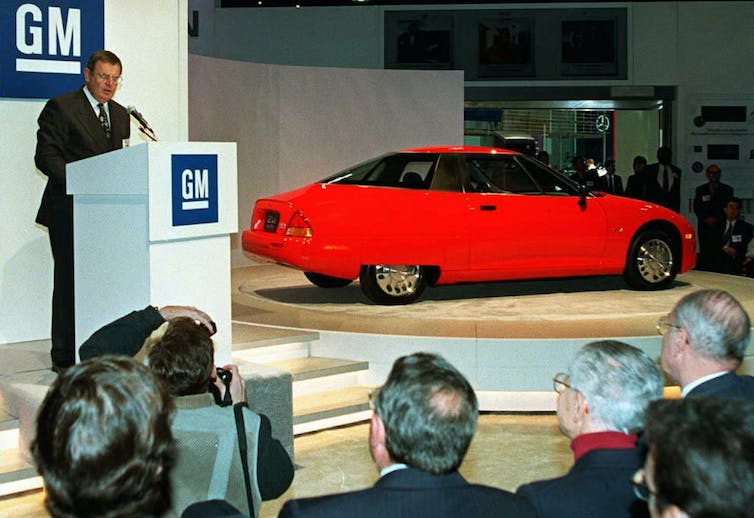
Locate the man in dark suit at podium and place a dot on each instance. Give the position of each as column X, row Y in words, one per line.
column 424, row 419
column 72, row 127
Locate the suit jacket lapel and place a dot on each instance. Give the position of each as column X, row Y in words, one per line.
column 90, row 122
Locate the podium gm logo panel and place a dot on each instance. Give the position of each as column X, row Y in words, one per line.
column 194, row 189
column 45, row 45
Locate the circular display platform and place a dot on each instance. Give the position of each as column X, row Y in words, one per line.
column 586, row 307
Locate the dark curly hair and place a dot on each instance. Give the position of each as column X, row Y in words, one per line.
column 104, row 446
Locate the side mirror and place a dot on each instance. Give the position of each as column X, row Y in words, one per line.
column 583, row 189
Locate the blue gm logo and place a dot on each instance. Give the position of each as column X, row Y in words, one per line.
column 45, row 45
column 194, row 188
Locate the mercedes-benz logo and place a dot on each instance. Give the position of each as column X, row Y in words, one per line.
column 602, row 123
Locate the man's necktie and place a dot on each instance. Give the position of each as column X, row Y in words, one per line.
column 728, row 233
column 103, row 120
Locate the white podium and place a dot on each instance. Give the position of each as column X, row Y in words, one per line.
column 151, row 226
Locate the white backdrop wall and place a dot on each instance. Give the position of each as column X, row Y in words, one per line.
column 295, row 125
column 154, row 56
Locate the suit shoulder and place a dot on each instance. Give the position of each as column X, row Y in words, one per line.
column 114, row 105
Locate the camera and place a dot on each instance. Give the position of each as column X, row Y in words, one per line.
column 225, row 376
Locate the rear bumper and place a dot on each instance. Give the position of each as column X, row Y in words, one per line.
column 303, row 254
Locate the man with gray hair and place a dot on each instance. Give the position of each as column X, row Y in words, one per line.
column 704, row 340
column 601, row 404
column 424, row 419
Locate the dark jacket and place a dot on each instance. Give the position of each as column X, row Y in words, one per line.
column 122, row 336
column 729, row 386
column 655, row 194
column 69, row 130
column 598, row 485
column 412, row 493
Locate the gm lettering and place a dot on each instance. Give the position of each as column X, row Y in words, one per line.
column 63, row 39
column 195, row 189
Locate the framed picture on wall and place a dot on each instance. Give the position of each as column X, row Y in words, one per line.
column 505, row 47
column 589, row 47
column 418, row 40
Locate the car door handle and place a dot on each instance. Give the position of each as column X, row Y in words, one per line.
column 488, row 207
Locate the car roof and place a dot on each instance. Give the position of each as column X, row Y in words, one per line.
column 461, row 149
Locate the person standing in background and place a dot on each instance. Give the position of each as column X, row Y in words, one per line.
column 663, row 181
column 709, row 206
column 610, row 183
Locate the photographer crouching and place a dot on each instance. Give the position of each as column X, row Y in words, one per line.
column 212, row 431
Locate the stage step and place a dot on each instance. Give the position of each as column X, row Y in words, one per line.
column 315, row 367
column 262, row 344
column 330, row 408
column 251, row 336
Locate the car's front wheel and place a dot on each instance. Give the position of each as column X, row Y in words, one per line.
column 325, row 281
column 391, row 284
column 651, row 261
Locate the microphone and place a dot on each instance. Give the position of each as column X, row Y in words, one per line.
column 139, row 117
column 142, row 121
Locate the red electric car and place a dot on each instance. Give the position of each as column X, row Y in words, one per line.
column 445, row 215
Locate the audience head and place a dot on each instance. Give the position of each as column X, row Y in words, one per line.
column 608, row 387
column 639, row 163
column 425, row 415
column 701, row 457
column 183, row 356
column 610, row 166
column 706, row 326
column 103, row 444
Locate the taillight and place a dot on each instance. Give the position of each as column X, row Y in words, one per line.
column 298, row 226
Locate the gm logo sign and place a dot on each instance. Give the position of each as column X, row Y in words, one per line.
column 45, row 45
column 194, row 188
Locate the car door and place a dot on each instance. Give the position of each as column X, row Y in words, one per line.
column 520, row 230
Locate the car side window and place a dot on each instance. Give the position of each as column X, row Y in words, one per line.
column 503, row 173
column 415, row 175
column 550, row 181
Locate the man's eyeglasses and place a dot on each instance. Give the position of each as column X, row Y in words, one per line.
column 663, row 325
column 118, row 80
column 372, row 396
column 560, row 382
column 641, row 489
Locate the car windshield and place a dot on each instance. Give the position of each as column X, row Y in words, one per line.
column 407, row 170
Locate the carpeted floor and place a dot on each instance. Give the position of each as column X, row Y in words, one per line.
column 507, row 451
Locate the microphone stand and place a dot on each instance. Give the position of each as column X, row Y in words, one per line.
column 148, row 132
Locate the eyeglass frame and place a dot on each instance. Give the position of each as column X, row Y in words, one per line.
column 107, row 77
column 663, row 326
column 560, row 382
column 640, row 486
column 372, row 395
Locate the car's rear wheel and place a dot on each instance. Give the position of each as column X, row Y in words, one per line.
column 651, row 261
column 325, row 281
column 391, row 284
